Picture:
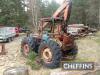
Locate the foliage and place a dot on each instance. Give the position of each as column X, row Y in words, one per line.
column 86, row 12
column 47, row 8
column 32, row 61
column 40, row 9
column 12, row 12
column 83, row 11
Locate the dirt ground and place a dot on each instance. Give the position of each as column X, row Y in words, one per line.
column 89, row 50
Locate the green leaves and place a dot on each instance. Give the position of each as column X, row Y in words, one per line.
column 33, row 61
column 47, row 9
column 12, row 12
column 86, row 12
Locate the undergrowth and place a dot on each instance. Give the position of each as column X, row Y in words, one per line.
column 33, row 61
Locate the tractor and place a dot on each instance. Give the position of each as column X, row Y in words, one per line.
column 52, row 43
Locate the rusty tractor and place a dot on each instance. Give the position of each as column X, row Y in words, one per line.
column 52, row 43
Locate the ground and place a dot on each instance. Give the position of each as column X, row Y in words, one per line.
column 88, row 51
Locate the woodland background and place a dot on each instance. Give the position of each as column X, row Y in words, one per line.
column 29, row 12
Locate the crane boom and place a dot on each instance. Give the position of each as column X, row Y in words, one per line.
column 64, row 9
column 62, row 12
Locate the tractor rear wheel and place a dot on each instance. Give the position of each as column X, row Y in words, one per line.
column 71, row 54
column 50, row 53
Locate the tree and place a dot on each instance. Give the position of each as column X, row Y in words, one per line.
column 78, row 14
column 93, row 13
column 12, row 12
column 40, row 9
column 86, row 12
column 34, row 13
column 48, row 8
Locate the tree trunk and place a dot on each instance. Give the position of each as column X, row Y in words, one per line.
column 34, row 13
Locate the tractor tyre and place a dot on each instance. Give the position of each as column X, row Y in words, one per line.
column 72, row 53
column 28, row 44
column 50, row 54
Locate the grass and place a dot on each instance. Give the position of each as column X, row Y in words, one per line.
column 88, row 49
column 98, row 39
column 33, row 61
column 98, row 72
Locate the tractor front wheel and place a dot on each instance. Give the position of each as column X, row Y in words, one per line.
column 25, row 48
column 28, row 44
